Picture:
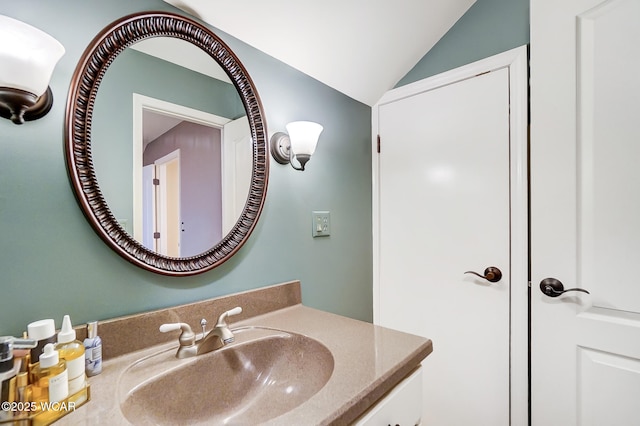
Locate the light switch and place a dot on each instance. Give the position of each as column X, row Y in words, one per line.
column 321, row 224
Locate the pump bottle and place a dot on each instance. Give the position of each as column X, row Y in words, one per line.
column 51, row 380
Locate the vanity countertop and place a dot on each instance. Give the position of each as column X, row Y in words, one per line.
column 368, row 362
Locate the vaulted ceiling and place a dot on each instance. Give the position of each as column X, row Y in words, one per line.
column 361, row 48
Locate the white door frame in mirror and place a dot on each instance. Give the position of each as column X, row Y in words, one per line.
column 237, row 160
column 141, row 103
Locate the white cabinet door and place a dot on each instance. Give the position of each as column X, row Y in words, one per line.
column 401, row 406
column 451, row 178
column 585, row 210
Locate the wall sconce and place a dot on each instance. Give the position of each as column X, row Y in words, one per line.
column 27, row 59
column 299, row 144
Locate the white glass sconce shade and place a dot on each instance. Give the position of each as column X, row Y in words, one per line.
column 28, row 57
column 303, row 136
column 299, row 144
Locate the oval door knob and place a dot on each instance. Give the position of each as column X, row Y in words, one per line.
column 554, row 288
column 491, row 274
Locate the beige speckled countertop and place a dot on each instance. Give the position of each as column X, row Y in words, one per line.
column 368, row 362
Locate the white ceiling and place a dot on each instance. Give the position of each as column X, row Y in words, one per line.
column 181, row 53
column 360, row 47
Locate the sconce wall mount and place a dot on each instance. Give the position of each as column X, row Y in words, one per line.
column 20, row 106
column 27, row 59
column 281, row 147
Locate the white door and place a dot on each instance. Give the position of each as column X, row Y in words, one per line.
column 167, row 210
column 585, row 210
column 237, row 161
column 451, row 183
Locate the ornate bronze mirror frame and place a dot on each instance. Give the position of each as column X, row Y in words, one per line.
column 85, row 83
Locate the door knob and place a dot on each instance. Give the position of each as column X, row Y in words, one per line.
column 491, row 274
column 554, row 288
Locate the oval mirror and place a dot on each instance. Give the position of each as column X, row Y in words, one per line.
column 166, row 144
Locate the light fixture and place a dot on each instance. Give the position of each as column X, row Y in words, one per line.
column 299, row 144
column 27, row 59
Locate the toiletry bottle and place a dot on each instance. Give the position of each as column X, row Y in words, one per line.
column 43, row 331
column 51, row 382
column 93, row 350
column 7, row 376
column 72, row 352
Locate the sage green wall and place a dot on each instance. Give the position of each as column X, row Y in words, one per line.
column 52, row 263
column 489, row 27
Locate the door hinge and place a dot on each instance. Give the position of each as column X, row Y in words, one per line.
column 156, row 235
column 378, row 147
column 156, row 181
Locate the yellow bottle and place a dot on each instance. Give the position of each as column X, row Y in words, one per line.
column 51, row 380
column 72, row 352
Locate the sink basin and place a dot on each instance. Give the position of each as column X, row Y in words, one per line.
column 263, row 374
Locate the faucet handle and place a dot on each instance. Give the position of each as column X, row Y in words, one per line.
column 222, row 319
column 187, row 338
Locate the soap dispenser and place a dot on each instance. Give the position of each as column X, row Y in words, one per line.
column 51, row 381
column 72, row 352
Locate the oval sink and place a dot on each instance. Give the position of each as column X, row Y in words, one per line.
column 263, row 374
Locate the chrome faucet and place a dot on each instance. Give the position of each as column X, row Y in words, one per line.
column 219, row 336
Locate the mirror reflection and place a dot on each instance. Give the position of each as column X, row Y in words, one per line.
column 171, row 147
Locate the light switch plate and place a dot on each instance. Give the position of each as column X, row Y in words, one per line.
column 321, row 224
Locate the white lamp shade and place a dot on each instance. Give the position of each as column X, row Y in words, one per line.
column 303, row 136
column 27, row 56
